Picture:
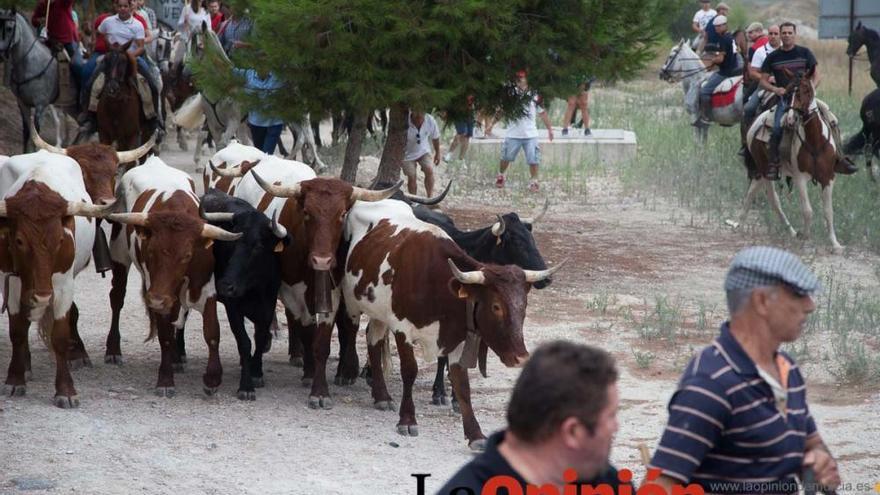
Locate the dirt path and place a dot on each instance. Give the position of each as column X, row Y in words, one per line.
column 123, row 439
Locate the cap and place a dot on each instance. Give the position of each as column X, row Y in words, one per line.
column 722, row 5
column 719, row 20
column 520, row 74
column 760, row 266
column 755, row 26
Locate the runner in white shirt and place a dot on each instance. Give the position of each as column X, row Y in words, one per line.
column 422, row 134
column 522, row 133
column 701, row 18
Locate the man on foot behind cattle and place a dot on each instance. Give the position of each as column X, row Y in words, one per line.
column 421, row 136
column 562, row 417
column 523, row 133
column 739, row 422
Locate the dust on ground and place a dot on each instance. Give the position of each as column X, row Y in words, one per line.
column 622, row 257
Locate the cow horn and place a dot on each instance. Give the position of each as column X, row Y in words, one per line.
column 138, row 218
column 533, row 276
column 82, row 209
column 225, row 172
column 362, row 194
column 278, row 229
column 215, row 216
column 498, row 227
column 137, row 153
column 280, row 191
column 216, row 233
column 429, row 201
column 474, row 277
column 540, row 214
column 43, row 145
column 3, row 209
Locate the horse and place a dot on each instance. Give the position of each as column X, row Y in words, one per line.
column 177, row 79
column 683, row 64
column 812, row 156
column 867, row 140
column 867, row 37
column 31, row 70
column 120, row 119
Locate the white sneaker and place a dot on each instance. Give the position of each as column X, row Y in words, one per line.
column 447, row 157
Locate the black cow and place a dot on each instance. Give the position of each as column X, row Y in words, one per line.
column 508, row 241
column 247, row 274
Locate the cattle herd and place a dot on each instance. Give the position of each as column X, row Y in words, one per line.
column 266, row 229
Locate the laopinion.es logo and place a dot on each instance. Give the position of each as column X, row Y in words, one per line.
column 497, row 485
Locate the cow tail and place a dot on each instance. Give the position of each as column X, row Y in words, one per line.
column 154, row 328
column 47, row 323
column 386, row 357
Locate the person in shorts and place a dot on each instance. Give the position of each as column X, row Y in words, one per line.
column 522, row 134
column 464, row 131
column 422, row 134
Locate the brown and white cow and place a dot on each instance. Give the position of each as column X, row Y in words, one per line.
column 228, row 165
column 45, row 240
column 313, row 211
column 170, row 244
column 412, row 279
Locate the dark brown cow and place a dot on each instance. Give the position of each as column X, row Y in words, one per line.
column 44, row 243
column 313, row 211
column 171, row 246
column 405, row 274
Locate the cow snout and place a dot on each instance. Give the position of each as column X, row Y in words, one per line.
column 229, row 290
column 159, row 304
column 514, row 361
column 522, row 360
column 322, row 263
column 40, row 300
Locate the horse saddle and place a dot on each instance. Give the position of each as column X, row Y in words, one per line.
column 725, row 93
column 68, row 94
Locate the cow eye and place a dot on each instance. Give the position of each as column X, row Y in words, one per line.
column 19, row 242
column 496, row 308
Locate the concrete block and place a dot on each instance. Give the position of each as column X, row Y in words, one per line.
column 606, row 146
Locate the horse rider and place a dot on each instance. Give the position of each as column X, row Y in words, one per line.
column 60, row 29
column 234, row 30
column 192, row 16
column 120, row 29
column 710, row 34
column 753, row 101
column 724, row 57
column 701, row 18
column 757, row 38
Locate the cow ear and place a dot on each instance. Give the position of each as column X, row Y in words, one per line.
column 279, row 246
column 458, row 289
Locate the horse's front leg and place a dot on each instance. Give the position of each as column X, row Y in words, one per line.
column 828, row 208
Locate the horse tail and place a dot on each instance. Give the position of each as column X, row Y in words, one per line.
column 190, row 115
column 856, row 144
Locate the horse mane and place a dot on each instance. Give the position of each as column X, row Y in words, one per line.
column 870, row 33
column 129, row 58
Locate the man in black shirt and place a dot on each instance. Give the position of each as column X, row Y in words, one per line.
column 725, row 58
column 562, row 418
column 788, row 59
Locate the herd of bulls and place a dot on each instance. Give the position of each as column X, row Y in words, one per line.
column 266, row 229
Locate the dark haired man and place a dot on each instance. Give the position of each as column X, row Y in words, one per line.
column 739, row 422
column 562, row 415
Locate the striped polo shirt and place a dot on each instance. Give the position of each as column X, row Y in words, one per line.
column 728, row 432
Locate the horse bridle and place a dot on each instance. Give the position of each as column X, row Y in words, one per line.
column 5, row 54
column 667, row 70
column 4, row 22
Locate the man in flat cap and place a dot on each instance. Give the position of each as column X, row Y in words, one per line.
column 739, row 421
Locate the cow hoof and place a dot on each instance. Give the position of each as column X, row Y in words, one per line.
column 65, row 402
column 455, row 407
column 408, row 430
column 439, row 400
column 258, row 382
column 116, row 359
column 384, row 405
column 344, row 381
column 306, row 382
column 179, row 367
column 316, row 402
column 83, row 362
column 165, row 392
column 296, row 361
column 210, row 391
column 247, row 395
column 14, row 390
column 477, row 445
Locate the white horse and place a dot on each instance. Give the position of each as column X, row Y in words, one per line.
column 683, row 64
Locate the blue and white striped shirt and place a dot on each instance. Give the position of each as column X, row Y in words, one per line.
column 726, row 430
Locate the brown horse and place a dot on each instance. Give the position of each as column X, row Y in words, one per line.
column 120, row 119
column 810, row 154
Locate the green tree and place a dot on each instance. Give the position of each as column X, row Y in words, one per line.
column 360, row 55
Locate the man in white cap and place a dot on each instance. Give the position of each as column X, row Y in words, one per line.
column 723, row 55
column 701, row 19
column 739, row 422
